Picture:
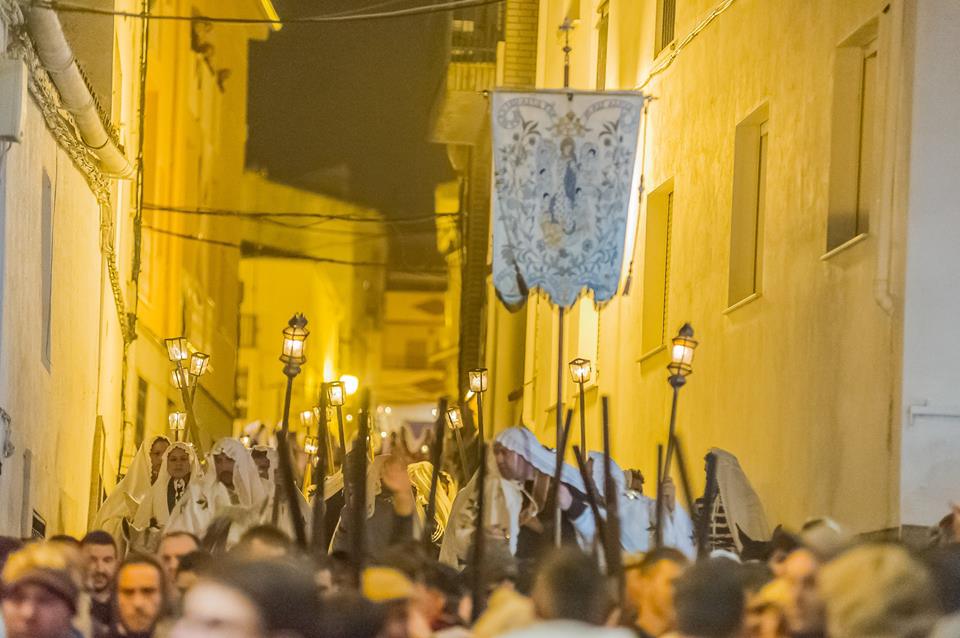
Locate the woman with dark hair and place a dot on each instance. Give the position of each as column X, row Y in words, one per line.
column 255, row 599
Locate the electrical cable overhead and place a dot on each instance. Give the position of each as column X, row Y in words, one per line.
column 252, row 249
column 227, row 212
column 440, row 7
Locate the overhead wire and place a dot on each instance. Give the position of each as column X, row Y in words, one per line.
column 273, row 251
column 441, row 7
column 230, row 212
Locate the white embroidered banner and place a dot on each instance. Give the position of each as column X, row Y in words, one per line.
column 563, row 170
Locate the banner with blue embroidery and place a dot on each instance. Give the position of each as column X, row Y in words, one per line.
column 564, row 164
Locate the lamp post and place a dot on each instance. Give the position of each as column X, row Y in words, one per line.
column 455, row 421
column 478, row 385
column 336, row 394
column 185, row 379
column 178, row 422
column 293, row 357
column 580, row 370
column 680, row 367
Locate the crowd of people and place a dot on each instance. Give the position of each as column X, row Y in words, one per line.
column 391, row 549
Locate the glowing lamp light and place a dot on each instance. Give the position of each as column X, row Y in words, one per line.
column 383, row 435
column 478, row 379
column 198, row 364
column 306, row 418
column 349, row 418
column 246, row 440
column 311, row 445
column 681, row 353
column 454, row 418
column 178, row 423
column 177, row 349
column 335, row 393
column 580, row 370
column 294, row 339
column 181, row 378
column 350, row 384
column 387, row 410
column 424, row 449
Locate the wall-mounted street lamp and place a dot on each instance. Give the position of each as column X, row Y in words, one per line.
column 581, row 369
column 455, row 421
column 478, row 378
column 178, row 424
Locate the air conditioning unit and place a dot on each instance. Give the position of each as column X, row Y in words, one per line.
column 13, row 99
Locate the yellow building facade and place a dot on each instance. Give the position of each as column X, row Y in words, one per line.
column 786, row 215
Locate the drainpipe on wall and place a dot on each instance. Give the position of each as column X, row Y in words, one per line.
column 57, row 57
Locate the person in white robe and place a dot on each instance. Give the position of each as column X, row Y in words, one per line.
column 638, row 513
column 519, row 442
column 737, row 511
column 267, row 460
column 231, row 487
column 178, row 469
column 503, row 501
column 125, row 498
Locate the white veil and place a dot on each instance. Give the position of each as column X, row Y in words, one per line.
column 125, row 498
column 154, row 505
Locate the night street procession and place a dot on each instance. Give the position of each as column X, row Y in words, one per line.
column 479, row 319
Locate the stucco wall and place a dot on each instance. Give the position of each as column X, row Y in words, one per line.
column 802, row 383
column 54, row 411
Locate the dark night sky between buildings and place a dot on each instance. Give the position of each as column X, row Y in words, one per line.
column 359, row 95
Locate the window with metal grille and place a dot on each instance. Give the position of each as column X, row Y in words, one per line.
column 666, row 17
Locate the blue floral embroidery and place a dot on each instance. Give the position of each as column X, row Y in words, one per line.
column 563, row 169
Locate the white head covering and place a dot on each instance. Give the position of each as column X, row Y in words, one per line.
column 130, row 491
column 634, row 508
column 247, row 483
column 503, row 502
column 154, row 505
column 523, row 442
column 740, row 501
column 273, row 457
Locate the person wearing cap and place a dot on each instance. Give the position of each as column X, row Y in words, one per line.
column 41, row 586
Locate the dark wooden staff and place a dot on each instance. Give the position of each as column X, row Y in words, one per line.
column 553, row 502
column 478, row 582
column 594, row 499
column 705, row 515
column 612, row 539
column 290, row 490
column 358, row 491
column 318, row 542
column 684, row 479
column 436, row 457
column 657, row 527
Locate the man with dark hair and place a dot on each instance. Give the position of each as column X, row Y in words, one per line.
column 173, row 547
column 710, row 600
column 649, row 589
column 99, row 552
column 192, row 567
column 263, row 542
column 141, row 596
column 571, row 598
